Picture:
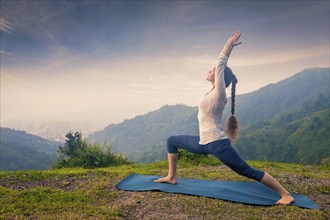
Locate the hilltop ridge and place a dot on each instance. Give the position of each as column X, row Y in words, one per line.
column 91, row 193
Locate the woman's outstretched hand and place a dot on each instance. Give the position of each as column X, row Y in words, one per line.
column 233, row 39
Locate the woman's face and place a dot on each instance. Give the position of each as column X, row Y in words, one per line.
column 211, row 75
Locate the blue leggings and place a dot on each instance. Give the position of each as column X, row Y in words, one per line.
column 221, row 149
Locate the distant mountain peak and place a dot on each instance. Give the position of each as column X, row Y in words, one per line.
column 146, row 131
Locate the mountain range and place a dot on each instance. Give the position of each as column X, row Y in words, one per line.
column 302, row 136
column 148, row 130
column 145, row 136
column 282, row 97
column 286, row 121
column 20, row 150
column 52, row 130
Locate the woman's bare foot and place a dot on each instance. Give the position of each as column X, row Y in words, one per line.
column 168, row 179
column 285, row 200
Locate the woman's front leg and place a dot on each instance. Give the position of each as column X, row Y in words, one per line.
column 172, row 164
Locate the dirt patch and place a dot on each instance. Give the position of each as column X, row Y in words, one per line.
column 315, row 189
column 150, row 205
column 67, row 183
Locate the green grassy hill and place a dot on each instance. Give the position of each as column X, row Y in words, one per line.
column 91, row 193
column 21, row 150
column 285, row 95
column 302, row 140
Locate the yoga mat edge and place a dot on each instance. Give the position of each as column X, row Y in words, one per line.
column 253, row 193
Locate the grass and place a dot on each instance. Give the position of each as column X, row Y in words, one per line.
column 77, row 193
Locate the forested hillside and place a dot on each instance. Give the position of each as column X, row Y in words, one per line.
column 302, row 136
column 148, row 130
column 20, row 150
column 275, row 117
column 282, row 97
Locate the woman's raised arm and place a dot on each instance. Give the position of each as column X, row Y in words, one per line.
column 231, row 43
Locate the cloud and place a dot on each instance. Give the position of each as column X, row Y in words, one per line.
column 2, row 52
column 38, row 23
column 113, row 60
column 200, row 62
column 33, row 16
column 274, row 57
column 106, row 91
column 6, row 26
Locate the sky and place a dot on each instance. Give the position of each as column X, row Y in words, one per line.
column 102, row 62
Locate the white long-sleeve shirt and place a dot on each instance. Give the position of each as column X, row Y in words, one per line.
column 211, row 107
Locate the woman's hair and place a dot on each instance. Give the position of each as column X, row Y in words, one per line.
column 232, row 126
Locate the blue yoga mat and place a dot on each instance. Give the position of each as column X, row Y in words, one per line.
column 254, row 193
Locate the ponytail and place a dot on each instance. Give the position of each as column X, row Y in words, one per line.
column 232, row 126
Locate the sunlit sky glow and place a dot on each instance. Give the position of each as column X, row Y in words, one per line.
column 105, row 61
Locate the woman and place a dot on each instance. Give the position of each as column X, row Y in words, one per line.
column 213, row 139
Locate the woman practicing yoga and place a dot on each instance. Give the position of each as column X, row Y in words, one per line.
column 213, row 139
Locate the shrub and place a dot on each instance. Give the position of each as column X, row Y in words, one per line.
column 186, row 157
column 77, row 152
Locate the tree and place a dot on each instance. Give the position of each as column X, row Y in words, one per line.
column 73, row 145
column 77, row 152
